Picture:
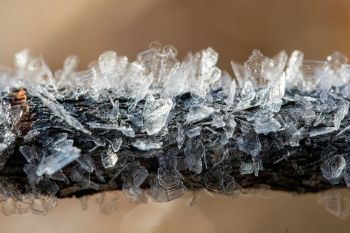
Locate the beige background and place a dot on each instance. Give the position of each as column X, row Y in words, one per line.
column 232, row 27
column 267, row 212
column 86, row 28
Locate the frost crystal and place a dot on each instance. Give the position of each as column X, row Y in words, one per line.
column 156, row 114
column 333, row 167
column 116, row 144
column 194, row 153
column 198, row 114
column 145, row 145
column 109, row 159
column 59, row 159
column 249, row 142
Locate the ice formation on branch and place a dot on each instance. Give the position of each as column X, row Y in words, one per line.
column 101, row 124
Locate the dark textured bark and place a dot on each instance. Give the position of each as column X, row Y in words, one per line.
column 299, row 172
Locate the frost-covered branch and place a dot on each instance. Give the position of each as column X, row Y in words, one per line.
column 163, row 126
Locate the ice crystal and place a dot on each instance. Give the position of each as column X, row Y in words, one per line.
column 109, row 159
column 54, row 162
column 145, row 145
column 194, row 152
column 155, row 114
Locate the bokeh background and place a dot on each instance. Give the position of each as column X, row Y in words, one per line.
column 86, row 28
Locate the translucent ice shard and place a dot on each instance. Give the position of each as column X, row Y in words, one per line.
column 116, row 144
column 177, row 81
column 194, row 152
column 246, row 168
column 161, row 61
column 312, row 71
column 145, row 145
column 109, row 159
column 167, row 185
column 336, row 60
column 249, row 142
column 218, row 121
column 107, row 62
column 293, row 75
column 265, row 123
column 180, row 137
column 204, row 72
column 247, row 95
column 239, row 72
column 29, row 153
column 64, row 77
column 231, row 94
column 198, row 114
column 321, row 131
column 156, row 114
column 60, row 112
column 133, row 179
column 136, row 83
column 340, row 114
column 196, row 131
column 221, row 182
column 127, row 131
column 254, row 67
column 56, row 161
column 333, row 167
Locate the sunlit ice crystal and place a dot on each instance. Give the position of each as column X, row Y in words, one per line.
column 136, row 83
column 56, row 161
column 264, row 122
column 198, row 114
column 204, row 73
column 64, row 77
column 33, row 69
column 293, row 76
column 312, row 71
column 254, row 67
column 155, row 114
column 337, row 60
column 145, row 145
column 161, row 61
column 176, row 84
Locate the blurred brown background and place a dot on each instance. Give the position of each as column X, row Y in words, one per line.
column 56, row 29
column 86, row 28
